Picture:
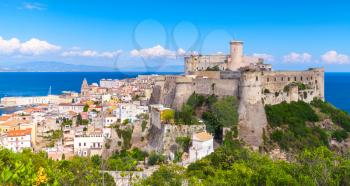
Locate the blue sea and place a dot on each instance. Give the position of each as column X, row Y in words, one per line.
column 337, row 85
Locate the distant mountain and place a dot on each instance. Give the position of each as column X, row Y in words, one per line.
column 45, row 66
column 52, row 66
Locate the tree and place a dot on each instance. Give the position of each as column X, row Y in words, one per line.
column 86, row 108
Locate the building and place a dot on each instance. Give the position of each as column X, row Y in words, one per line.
column 90, row 142
column 67, row 107
column 109, row 120
column 129, row 111
column 202, row 145
column 17, row 140
column 84, row 91
column 23, row 101
column 254, row 83
column 232, row 61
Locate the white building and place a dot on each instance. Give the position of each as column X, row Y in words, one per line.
column 202, row 145
column 89, row 145
column 109, row 83
column 17, row 140
column 109, row 120
column 66, row 107
column 129, row 111
column 106, row 98
column 21, row 101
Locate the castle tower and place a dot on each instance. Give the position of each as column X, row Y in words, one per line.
column 251, row 111
column 84, row 88
column 236, row 53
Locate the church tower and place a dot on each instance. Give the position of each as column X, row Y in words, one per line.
column 84, row 88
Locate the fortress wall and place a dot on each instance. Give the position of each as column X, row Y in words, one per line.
column 219, row 87
column 276, row 81
column 183, row 92
column 162, row 140
column 209, row 74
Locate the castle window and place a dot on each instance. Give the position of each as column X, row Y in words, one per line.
column 295, row 78
column 301, row 78
column 311, row 77
column 288, row 78
column 268, row 79
column 256, row 79
column 275, row 79
column 281, row 78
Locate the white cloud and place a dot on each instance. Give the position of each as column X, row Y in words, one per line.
column 33, row 6
column 266, row 57
column 157, row 52
column 297, row 57
column 332, row 57
column 31, row 47
column 76, row 52
column 37, row 47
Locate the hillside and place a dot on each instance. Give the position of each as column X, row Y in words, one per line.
column 298, row 126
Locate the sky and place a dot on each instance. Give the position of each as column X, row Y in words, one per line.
column 289, row 34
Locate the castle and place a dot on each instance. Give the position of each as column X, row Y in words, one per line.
column 248, row 78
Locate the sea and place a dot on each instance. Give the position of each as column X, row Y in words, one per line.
column 337, row 85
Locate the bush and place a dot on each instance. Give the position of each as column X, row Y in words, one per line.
column 293, row 117
column 155, row 159
column 340, row 135
column 339, row 117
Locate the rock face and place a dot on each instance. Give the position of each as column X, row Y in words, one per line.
column 161, row 140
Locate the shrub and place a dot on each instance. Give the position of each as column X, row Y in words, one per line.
column 155, row 159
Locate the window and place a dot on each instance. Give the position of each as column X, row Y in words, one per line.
column 301, row 78
column 281, row 78
column 268, row 79
column 257, row 78
column 84, row 144
column 79, row 144
column 288, row 78
column 295, row 78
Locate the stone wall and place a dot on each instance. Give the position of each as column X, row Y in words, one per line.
column 276, row 81
column 251, row 112
column 162, row 140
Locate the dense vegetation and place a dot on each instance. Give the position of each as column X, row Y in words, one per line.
column 294, row 125
column 233, row 165
column 29, row 168
column 125, row 160
column 217, row 113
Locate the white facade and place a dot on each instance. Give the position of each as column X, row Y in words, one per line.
column 88, row 145
column 64, row 108
column 108, row 121
column 202, row 145
column 129, row 111
column 21, row 101
column 18, row 140
column 106, row 97
column 109, row 83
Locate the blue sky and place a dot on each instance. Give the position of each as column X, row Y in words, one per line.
column 290, row 34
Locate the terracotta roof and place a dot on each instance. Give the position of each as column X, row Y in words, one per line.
column 202, row 136
column 4, row 118
column 11, row 123
column 14, row 133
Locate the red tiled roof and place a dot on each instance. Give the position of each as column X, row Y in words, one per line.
column 14, row 133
